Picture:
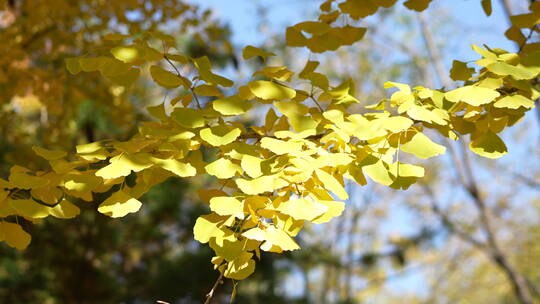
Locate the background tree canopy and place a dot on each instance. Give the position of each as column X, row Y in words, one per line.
column 116, row 107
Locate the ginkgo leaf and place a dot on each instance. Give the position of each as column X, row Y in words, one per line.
column 486, row 6
column 330, row 183
column 49, row 154
column 278, row 238
column 514, row 102
column 275, row 240
column 241, row 268
column 65, row 210
column 24, row 180
column 396, row 124
column 505, row 69
column 421, row 146
column 302, row 209
column 232, row 105
column 14, row 235
column 207, row 90
column 179, row 168
column 111, row 67
column 473, row 95
column 488, row 145
column 119, row 204
column 126, row 79
column 188, row 117
column 165, row 78
column 435, row 116
column 220, row 135
column 251, row 51
column 81, row 181
column 405, row 175
column 223, row 168
column 208, row 227
column 281, row 147
column 294, row 37
column 334, row 209
column 417, row 5
column 123, row 164
column 460, row 71
column 205, row 72
column 206, row 194
column 378, row 172
column 359, row 10
column 271, row 91
column 30, row 208
column 257, row 185
column 251, row 165
column 224, row 205
column 128, row 54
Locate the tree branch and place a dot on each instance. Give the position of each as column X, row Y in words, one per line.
column 210, row 294
column 494, row 251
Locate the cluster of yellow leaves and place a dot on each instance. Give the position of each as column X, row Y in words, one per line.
column 289, row 170
column 41, row 34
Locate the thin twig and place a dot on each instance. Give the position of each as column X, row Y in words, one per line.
column 210, row 294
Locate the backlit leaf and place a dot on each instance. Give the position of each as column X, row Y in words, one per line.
column 119, row 204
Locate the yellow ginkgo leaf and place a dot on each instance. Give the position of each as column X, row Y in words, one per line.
column 460, row 71
column 334, row 209
column 378, row 172
column 119, row 204
column 205, row 72
column 29, row 208
column 206, row 194
column 223, row 168
column 123, row 164
column 421, row 146
column 220, row 135
column 417, row 5
column 232, row 105
column 188, row 117
column 128, row 54
column 65, row 210
column 24, row 180
column 251, row 165
column 514, row 102
column 271, row 91
column 302, row 209
column 329, row 182
column 488, row 145
column 396, row 124
column 473, row 95
column 281, row 147
column 14, row 235
column 251, row 51
column 165, row 78
column 405, row 175
column 49, row 154
column 278, row 240
column 177, row 167
column 82, row 181
column 224, row 205
column 517, row 72
column 240, row 268
column 207, row 90
column 257, row 185
column 208, row 227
